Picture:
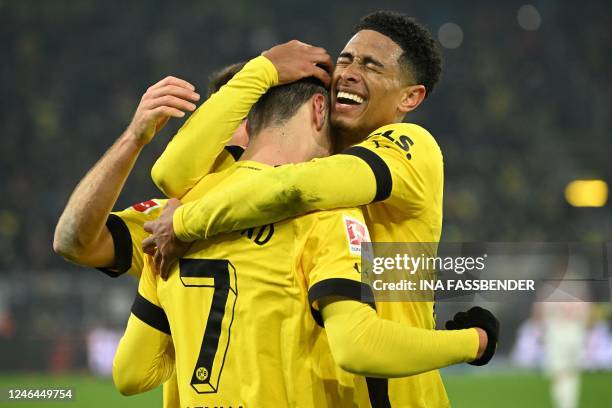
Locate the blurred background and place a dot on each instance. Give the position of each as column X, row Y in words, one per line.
column 523, row 114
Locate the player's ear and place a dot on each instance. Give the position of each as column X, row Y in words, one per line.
column 412, row 96
column 319, row 111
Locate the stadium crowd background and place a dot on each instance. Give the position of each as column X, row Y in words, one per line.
column 523, row 108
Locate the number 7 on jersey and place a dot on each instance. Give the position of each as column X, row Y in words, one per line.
column 220, row 276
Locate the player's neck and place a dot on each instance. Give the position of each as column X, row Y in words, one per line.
column 345, row 138
column 280, row 145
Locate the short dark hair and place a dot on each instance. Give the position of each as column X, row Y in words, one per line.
column 280, row 103
column 421, row 57
column 222, row 76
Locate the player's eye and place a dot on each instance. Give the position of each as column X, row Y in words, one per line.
column 373, row 67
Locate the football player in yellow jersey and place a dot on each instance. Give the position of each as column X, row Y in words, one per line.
column 385, row 71
column 238, row 306
column 87, row 234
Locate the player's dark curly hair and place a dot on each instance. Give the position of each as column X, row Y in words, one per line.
column 421, row 56
column 280, row 103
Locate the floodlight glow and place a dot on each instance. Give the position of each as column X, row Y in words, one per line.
column 587, row 193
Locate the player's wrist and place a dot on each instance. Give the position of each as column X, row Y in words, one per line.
column 270, row 69
column 178, row 227
column 482, row 342
column 480, row 319
column 132, row 139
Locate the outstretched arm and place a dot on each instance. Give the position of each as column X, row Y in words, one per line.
column 81, row 234
column 360, row 341
column 364, row 344
column 378, row 169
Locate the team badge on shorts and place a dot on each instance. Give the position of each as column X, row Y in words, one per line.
column 356, row 232
column 146, row 206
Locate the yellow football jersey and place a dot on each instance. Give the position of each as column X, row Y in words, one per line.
column 126, row 228
column 242, row 309
column 398, row 170
column 408, row 167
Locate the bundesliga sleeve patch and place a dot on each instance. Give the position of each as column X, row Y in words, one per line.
column 356, row 232
column 146, row 206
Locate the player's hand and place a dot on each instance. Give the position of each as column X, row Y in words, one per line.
column 295, row 60
column 169, row 98
column 163, row 245
column 478, row 317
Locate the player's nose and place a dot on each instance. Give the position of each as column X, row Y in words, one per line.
column 349, row 73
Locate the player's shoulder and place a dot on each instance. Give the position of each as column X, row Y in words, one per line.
column 330, row 219
column 336, row 213
column 144, row 209
column 403, row 131
column 408, row 128
column 339, row 228
column 408, row 139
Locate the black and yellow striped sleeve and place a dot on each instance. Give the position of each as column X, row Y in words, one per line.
column 122, row 244
column 127, row 230
column 151, row 314
column 331, row 257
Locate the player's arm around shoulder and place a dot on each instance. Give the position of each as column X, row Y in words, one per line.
column 407, row 163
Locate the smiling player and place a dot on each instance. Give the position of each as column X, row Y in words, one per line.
column 385, row 71
column 239, row 307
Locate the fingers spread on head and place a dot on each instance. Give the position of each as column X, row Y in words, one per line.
column 322, row 75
